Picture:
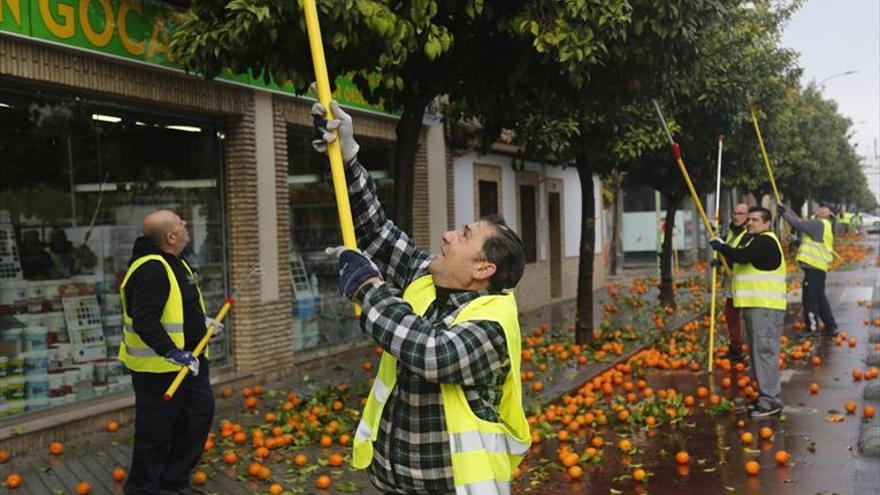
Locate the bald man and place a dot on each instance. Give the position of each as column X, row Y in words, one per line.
column 164, row 318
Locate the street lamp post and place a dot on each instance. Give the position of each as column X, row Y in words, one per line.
column 821, row 83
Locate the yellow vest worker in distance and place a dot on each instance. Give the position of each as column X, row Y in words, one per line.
column 759, row 292
column 164, row 318
column 815, row 255
column 445, row 411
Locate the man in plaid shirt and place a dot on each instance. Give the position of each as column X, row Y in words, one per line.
column 412, row 450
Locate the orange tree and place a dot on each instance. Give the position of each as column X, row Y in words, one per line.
column 740, row 62
column 401, row 54
column 595, row 120
column 808, row 143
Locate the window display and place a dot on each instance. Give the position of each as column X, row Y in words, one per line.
column 321, row 316
column 77, row 178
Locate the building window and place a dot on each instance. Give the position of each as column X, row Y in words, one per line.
column 321, row 316
column 488, row 198
column 528, row 221
column 487, row 190
column 77, row 179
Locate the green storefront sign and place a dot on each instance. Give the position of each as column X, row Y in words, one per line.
column 133, row 29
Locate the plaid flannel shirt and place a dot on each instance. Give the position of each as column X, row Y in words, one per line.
column 411, row 452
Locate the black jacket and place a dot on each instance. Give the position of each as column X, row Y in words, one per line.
column 734, row 229
column 760, row 252
column 145, row 295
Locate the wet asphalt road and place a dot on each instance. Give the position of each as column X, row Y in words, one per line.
column 824, row 457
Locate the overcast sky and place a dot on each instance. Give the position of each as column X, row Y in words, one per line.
column 835, row 36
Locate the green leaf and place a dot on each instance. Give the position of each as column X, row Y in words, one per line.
column 348, row 487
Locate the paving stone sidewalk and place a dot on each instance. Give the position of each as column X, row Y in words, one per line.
column 92, row 458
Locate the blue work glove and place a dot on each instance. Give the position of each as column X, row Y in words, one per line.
column 183, row 358
column 354, row 269
column 324, row 130
column 781, row 208
column 717, row 243
column 715, row 263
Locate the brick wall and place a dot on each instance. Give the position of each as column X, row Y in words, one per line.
column 421, row 231
column 20, row 58
column 450, row 181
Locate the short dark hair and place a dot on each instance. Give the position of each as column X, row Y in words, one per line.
column 505, row 250
column 830, row 206
column 765, row 213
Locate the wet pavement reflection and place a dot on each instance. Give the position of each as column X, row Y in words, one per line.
column 823, row 457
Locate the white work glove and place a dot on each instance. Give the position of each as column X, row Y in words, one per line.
column 324, row 130
column 218, row 327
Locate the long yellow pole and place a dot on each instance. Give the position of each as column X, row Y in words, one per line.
column 764, row 153
column 676, row 153
column 169, row 393
column 770, row 169
column 337, row 170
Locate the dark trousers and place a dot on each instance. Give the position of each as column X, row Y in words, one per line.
column 815, row 303
column 734, row 328
column 169, row 436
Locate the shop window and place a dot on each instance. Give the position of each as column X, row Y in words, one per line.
column 76, row 181
column 321, row 316
column 639, row 198
column 528, row 221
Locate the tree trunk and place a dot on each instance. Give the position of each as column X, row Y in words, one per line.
column 584, row 326
column 614, row 257
column 409, row 128
column 759, row 194
column 667, row 286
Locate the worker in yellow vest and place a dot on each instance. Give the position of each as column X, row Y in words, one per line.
column 445, row 411
column 845, row 221
column 815, row 255
column 759, row 291
column 164, row 319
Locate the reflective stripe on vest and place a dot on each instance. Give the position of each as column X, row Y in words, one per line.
column 817, row 255
column 757, row 277
column 754, row 288
column 469, row 441
column 483, row 488
column 483, row 453
column 133, row 351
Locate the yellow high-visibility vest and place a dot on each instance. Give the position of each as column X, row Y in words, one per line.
column 133, row 352
column 817, row 255
column 754, row 288
column 734, row 240
column 484, row 454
